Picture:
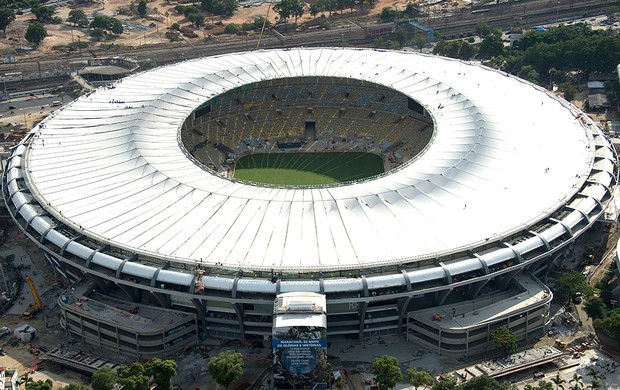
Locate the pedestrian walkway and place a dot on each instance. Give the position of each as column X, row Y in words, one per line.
column 80, row 80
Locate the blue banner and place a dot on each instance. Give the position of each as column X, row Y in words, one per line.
column 300, row 343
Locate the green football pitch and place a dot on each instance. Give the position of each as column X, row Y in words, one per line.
column 307, row 168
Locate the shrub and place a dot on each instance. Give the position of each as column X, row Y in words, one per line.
column 232, row 29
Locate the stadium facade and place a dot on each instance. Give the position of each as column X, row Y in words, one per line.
column 451, row 242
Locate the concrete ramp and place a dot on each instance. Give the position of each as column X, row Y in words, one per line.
column 80, row 80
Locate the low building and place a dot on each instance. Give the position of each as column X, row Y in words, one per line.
column 8, row 379
column 104, row 70
column 464, row 329
column 129, row 329
column 25, row 333
column 597, row 102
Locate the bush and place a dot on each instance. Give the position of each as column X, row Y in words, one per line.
column 232, row 29
column 97, row 32
column 77, row 45
column 387, row 14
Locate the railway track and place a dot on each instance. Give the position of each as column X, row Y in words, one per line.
column 523, row 13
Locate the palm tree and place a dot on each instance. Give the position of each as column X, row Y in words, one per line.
column 577, row 382
column 594, row 374
column 558, row 381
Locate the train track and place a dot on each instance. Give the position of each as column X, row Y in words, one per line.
column 524, row 13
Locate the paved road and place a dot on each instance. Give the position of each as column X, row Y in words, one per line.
column 30, row 102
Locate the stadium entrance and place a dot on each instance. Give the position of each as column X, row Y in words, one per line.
column 299, row 341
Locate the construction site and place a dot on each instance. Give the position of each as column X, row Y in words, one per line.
column 30, row 320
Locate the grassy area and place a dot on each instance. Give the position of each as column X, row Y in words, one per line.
column 307, row 168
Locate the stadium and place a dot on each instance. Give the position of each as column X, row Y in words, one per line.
column 477, row 185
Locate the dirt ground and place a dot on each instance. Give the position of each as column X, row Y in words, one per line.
column 47, row 323
column 151, row 30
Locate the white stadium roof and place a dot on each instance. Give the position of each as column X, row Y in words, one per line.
column 505, row 155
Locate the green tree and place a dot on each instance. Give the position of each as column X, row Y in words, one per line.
column 288, row 8
column 190, row 10
column 419, row 378
column 78, row 18
column 595, row 378
column 558, row 381
column 142, row 8
column 40, row 385
column 97, row 32
column 314, row 10
column 117, row 27
column 570, row 283
column 455, row 49
column 412, row 10
column 133, row 377
column 576, row 383
column 196, row 19
column 42, row 13
column 387, row 14
column 544, row 385
column 401, row 36
column 467, row 51
column 104, row 379
column 449, row 382
column 528, row 73
column 101, row 21
column 6, row 17
column 483, row 29
column 74, row 386
column 386, row 370
column 611, row 323
column 35, row 33
column 491, row 46
column 484, row 382
column 259, row 21
column 595, row 307
column 220, row 7
column 162, row 371
column 226, row 367
column 505, row 338
column 420, row 40
column 570, row 92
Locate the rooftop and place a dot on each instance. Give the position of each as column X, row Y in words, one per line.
column 497, row 137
